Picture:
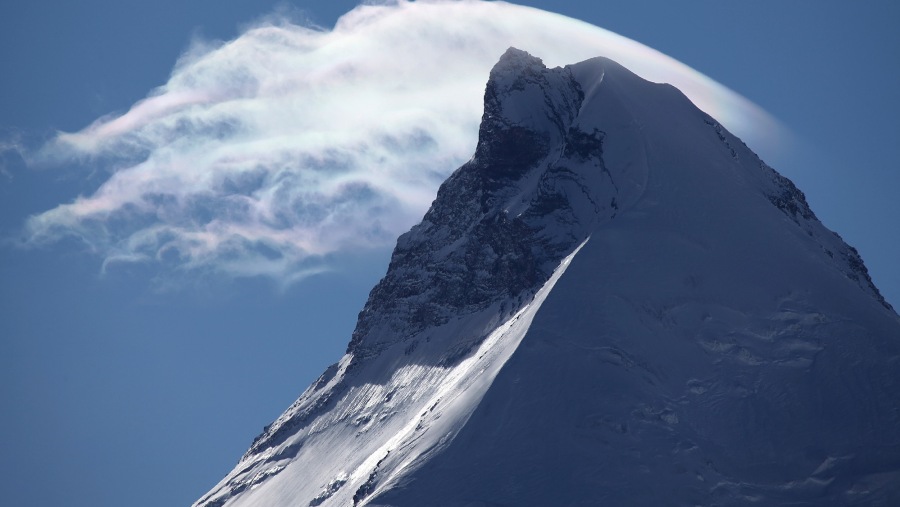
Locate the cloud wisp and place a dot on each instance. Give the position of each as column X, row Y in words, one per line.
column 265, row 154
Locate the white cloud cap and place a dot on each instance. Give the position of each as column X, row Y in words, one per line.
column 264, row 154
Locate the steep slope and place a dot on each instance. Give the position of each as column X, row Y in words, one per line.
column 613, row 302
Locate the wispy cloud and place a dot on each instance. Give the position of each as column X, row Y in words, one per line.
column 265, row 154
column 12, row 151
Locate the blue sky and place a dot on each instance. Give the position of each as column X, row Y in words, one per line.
column 146, row 382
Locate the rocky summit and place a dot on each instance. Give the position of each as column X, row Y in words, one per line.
column 614, row 302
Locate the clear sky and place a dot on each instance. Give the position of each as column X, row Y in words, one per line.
column 143, row 383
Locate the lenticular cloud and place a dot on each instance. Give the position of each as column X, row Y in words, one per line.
column 265, row 154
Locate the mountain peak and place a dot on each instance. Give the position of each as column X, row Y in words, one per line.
column 613, row 287
column 515, row 61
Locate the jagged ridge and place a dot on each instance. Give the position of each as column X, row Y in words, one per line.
column 542, row 180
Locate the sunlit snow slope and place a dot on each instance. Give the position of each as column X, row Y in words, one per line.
column 614, row 302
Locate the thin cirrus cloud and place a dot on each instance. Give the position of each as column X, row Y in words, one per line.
column 268, row 153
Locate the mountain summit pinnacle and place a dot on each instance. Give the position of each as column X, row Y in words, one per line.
column 614, row 302
column 514, row 62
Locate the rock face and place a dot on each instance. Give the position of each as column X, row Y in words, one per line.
column 614, row 302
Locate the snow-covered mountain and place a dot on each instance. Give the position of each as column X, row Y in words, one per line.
column 614, row 302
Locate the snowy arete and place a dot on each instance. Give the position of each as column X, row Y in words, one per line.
column 614, row 302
